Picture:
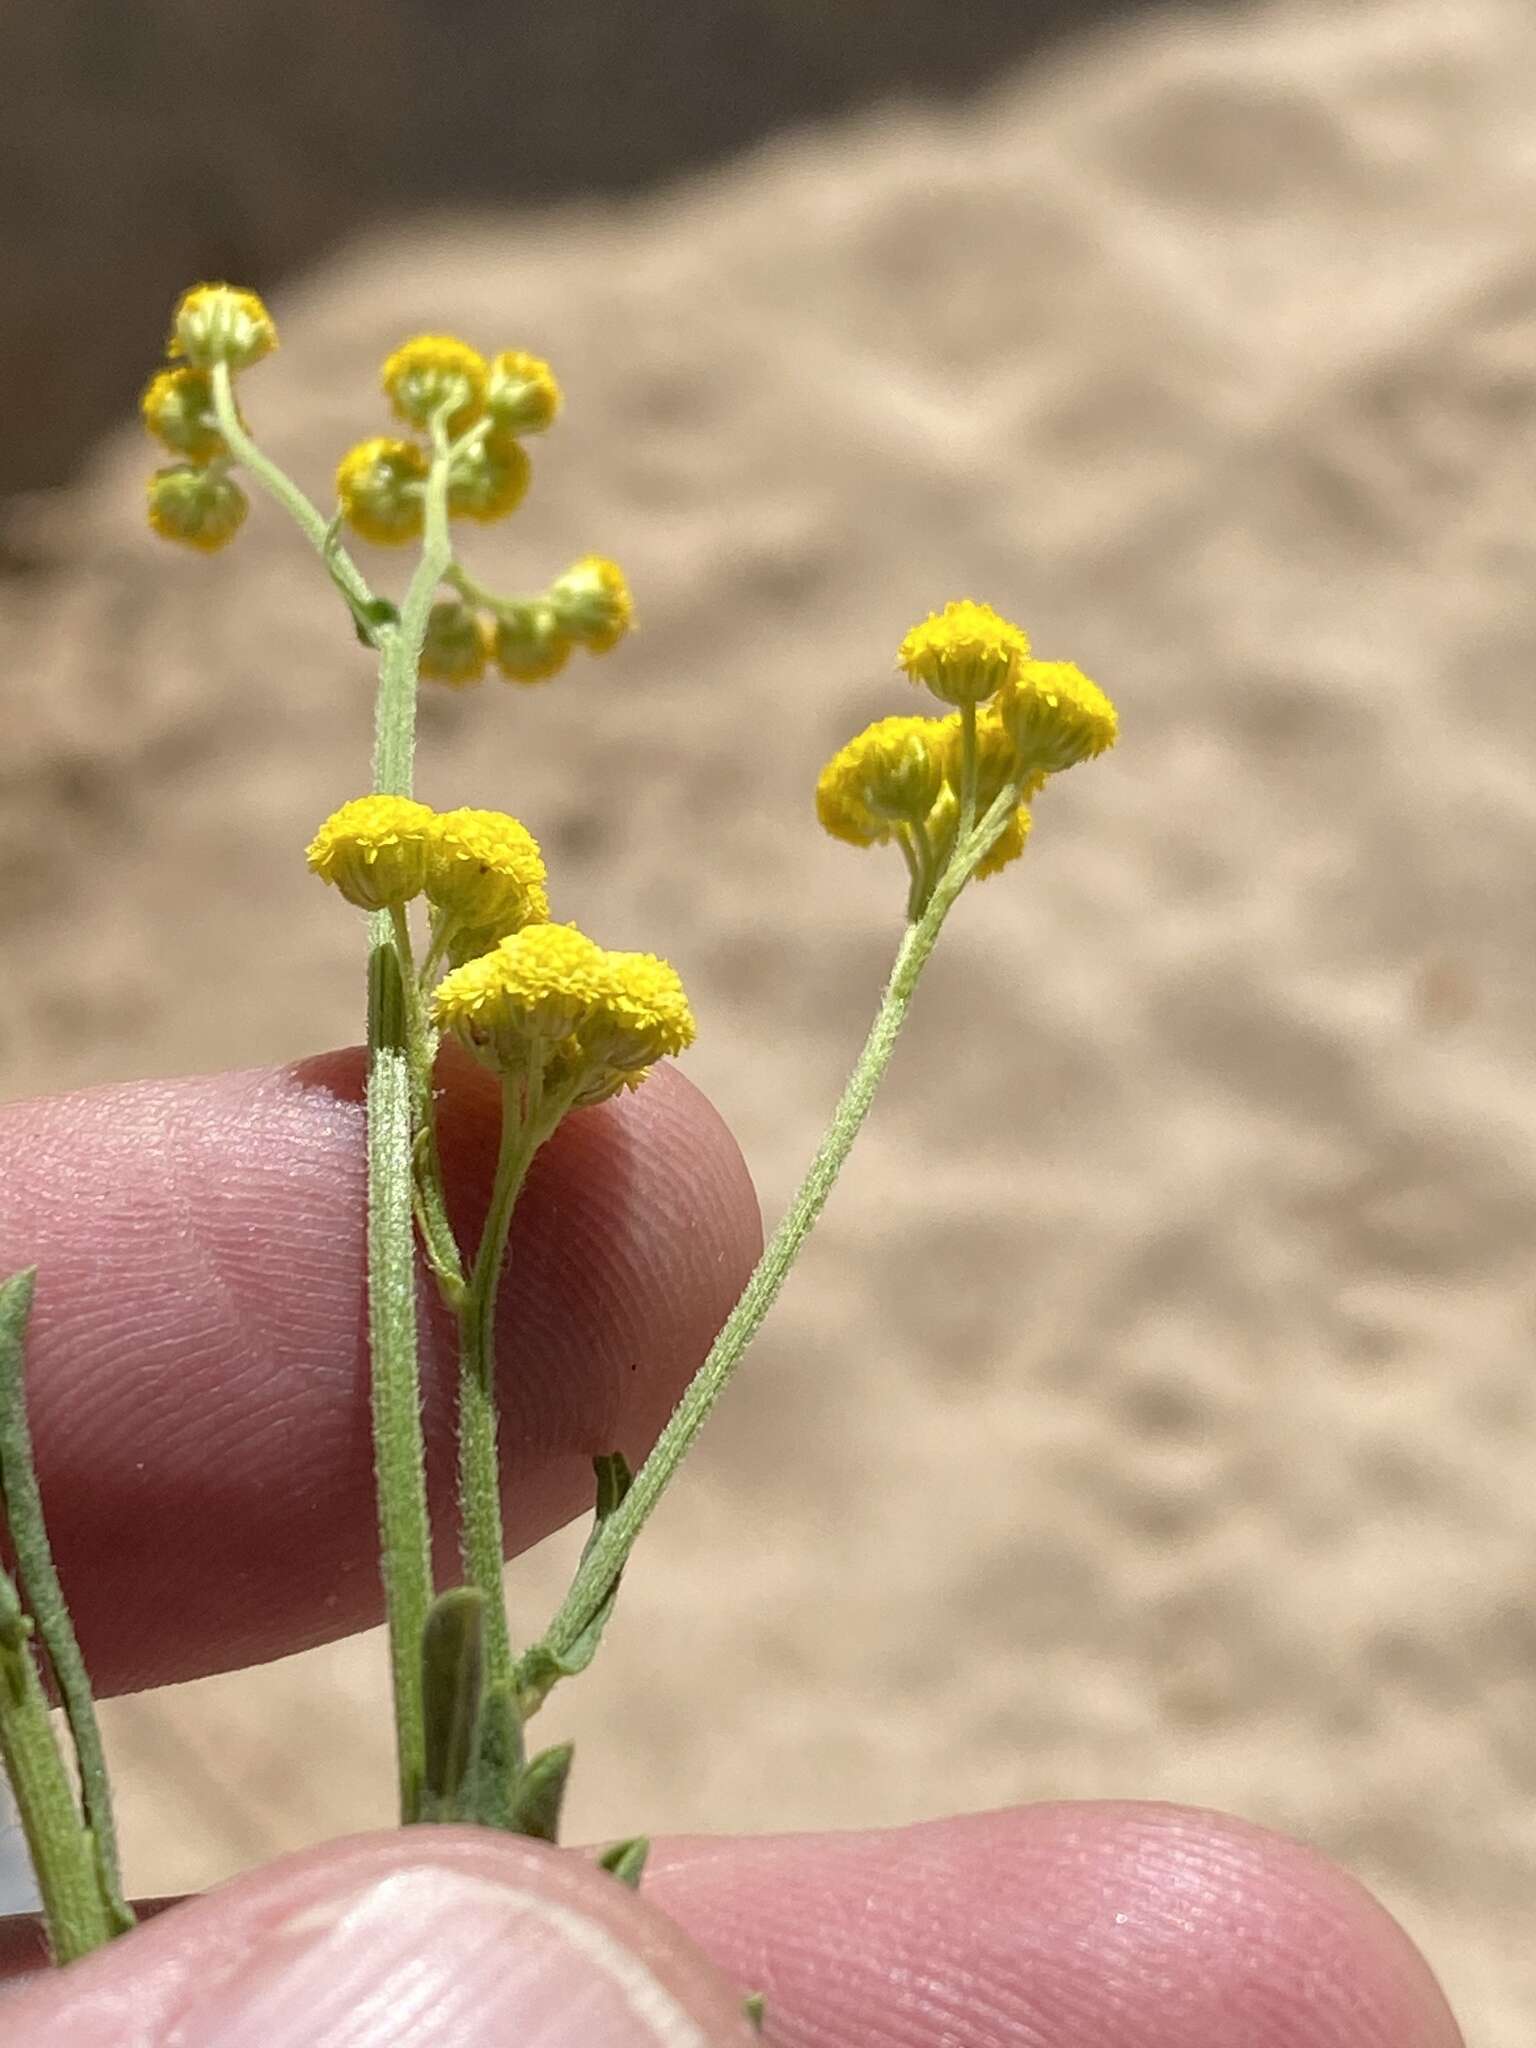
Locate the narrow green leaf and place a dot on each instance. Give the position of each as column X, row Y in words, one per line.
column 541, row 1793
column 23, row 1506
column 540, row 1669
column 451, row 1675
column 626, row 1860
column 755, row 2006
column 489, row 1791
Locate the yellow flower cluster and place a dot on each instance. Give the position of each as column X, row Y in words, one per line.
column 481, row 871
column 195, row 500
column 903, row 778
column 485, row 407
column 531, row 639
column 549, row 1002
column 527, row 997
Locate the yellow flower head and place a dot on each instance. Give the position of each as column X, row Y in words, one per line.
column 1055, row 716
column 530, row 647
column 177, row 408
column 456, row 644
column 538, row 984
column 521, row 394
column 218, row 323
column 890, row 774
column 489, row 480
column 964, row 653
column 374, row 850
column 599, row 1020
column 203, row 508
column 434, row 370
column 379, row 487
column 592, row 604
column 640, row 1015
column 484, row 870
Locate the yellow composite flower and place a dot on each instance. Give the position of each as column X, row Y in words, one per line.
column 374, row 850
column 431, row 371
column 596, row 1021
column 456, row 645
column 1055, row 716
column 536, row 985
column 521, row 393
column 202, row 508
column 489, row 480
column 177, row 408
column 592, row 603
column 965, row 653
column 484, row 870
column 221, row 323
column 379, row 486
column 887, row 775
column 529, row 646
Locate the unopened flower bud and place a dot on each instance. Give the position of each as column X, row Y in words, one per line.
column 521, row 396
column 219, row 323
column 592, row 604
column 203, row 508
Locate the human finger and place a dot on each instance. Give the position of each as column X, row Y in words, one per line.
column 197, row 1363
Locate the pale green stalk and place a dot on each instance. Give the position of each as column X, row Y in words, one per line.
column 604, row 1561
column 28, row 1531
column 523, row 1128
column 311, row 522
column 405, row 1530
column 75, row 1909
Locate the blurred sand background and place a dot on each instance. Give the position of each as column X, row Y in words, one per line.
column 1153, row 1411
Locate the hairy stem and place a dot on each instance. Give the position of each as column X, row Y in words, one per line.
column 405, row 1530
column 23, row 1505
column 278, row 485
column 479, row 1456
column 75, row 1911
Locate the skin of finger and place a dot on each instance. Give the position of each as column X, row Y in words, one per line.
column 197, row 1365
column 1082, row 1925
column 139, row 1992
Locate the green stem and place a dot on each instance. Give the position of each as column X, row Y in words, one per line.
column 967, row 771
column 522, row 1129
column 605, row 1560
column 77, row 1915
column 480, row 593
column 23, row 1506
column 405, row 1540
column 431, row 1205
column 395, row 731
column 405, row 1529
column 307, row 516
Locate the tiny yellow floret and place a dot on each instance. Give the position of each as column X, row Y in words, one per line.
column 489, row 480
column 485, row 870
column 1055, row 716
column 591, row 603
column 530, row 647
column 177, row 408
column 220, row 323
column 521, row 393
column 431, row 371
column 202, row 508
column 379, row 486
column 374, row 850
column 963, row 654
column 639, row 1015
column 456, row 645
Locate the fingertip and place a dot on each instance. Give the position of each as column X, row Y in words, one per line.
column 1090, row 1925
column 442, row 1935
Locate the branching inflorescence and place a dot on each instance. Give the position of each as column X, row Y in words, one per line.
column 461, row 945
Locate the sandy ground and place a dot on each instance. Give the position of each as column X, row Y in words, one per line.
column 1153, row 1412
